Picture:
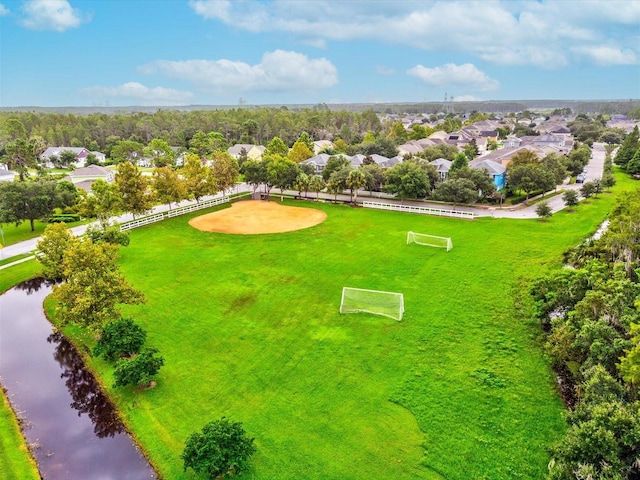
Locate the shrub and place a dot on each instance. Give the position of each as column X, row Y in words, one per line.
column 66, row 218
column 138, row 370
column 222, row 448
column 111, row 235
column 120, row 338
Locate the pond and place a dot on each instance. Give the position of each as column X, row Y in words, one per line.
column 72, row 429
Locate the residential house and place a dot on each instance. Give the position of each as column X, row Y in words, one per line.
column 84, row 177
column 253, row 152
column 503, row 155
column 320, row 145
column 443, row 166
column 81, row 155
column 6, row 175
column 497, row 171
column 319, row 162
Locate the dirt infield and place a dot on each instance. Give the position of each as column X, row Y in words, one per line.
column 257, row 216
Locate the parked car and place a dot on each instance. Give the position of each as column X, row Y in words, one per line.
column 581, row 177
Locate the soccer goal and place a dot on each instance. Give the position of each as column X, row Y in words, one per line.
column 388, row 304
column 429, row 240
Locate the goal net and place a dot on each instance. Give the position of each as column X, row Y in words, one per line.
column 388, row 304
column 429, row 240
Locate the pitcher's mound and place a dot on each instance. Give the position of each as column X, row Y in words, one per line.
column 257, row 216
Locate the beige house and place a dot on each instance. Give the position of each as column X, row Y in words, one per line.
column 253, row 152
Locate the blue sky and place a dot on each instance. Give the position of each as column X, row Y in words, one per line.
column 184, row 52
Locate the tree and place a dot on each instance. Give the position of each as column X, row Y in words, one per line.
column 578, row 159
column 203, row 145
column 94, row 285
column 299, row 152
column 307, row 140
column 133, row 188
column 375, row 176
column 458, row 190
column 608, row 180
column 52, row 247
column 21, row 152
column 527, row 177
column 588, row 189
column 554, row 164
column 254, row 173
column 570, row 198
column 224, row 171
column 471, row 149
column 301, row 183
column 482, row 180
column 32, row 200
column 460, row 161
column 196, row 177
column 397, row 133
column 125, row 150
column 110, row 234
column 282, row 173
column 168, row 186
column 137, row 370
column 221, row 448
column 316, row 184
column 122, row 337
column 543, row 210
column 160, row 152
column 277, row 147
column 334, row 164
column 633, row 167
column 630, row 363
column 102, row 203
column 407, row 179
column 355, row 180
column 67, row 158
column 628, row 148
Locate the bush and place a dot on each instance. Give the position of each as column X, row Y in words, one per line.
column 66, row 218
column 222, row 448
column 111, row 235
column 120, row 338
column 138, row 370
column 543, row 210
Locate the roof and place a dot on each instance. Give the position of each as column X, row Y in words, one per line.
column 494, row 168
column 91, row 171
column 51, row 151
column 442, row 164
column 237, row 148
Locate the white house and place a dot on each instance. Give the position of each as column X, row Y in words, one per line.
column 81, row 155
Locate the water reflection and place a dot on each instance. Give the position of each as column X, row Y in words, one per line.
column 85, row 391
column 47, row 383
column 33, row 285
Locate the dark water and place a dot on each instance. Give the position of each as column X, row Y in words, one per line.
column 73, row 430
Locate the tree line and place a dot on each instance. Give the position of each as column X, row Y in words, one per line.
column 590, row 314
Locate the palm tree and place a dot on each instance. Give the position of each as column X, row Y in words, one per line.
column 355, row 180
column 316, row 183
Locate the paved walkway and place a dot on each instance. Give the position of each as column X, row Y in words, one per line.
column 594, row 170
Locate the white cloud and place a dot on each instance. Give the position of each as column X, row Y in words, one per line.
column 382, row 70
column 465, row 75
column 605, row 56
column 55, row 15
column 465, row 98
column 140, row 93
column 542, row 33
column 278, row 71
column 3, row 10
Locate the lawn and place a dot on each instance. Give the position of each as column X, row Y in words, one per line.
column 249, row 328
column 12, row 234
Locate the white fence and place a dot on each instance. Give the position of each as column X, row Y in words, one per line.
column 196, row 206
column 139, row 222
column 416, row 209
column 156, row 217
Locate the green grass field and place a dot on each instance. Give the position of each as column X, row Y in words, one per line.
column 249, row 328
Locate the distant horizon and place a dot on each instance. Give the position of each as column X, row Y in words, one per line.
column 100, row 53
